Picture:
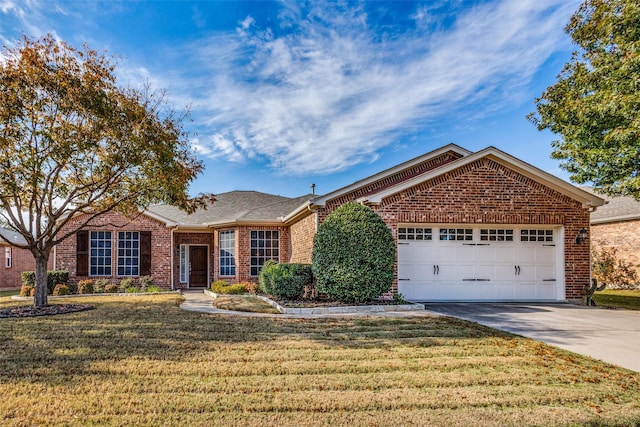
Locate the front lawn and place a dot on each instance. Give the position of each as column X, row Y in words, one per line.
column 618, row 298
column 9, row 293
column 143, row 361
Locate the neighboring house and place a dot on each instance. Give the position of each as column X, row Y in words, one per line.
column 481, row 226
column 15, row 260
column 617, row 225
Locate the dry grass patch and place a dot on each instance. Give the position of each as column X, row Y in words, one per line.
column 143, row 361
column 243, row 303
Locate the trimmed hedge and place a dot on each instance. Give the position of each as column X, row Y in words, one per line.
column 353, row 255
column 54, row 277
column 285, row 280
column 224, row 287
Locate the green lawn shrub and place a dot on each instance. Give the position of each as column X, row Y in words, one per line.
column 353, row 255
column 61, row 289
column 153, row 289
column 111, row 288
column 99, row 285
column 224, row 287
column 85, row 286
column 284, row 280
column 128, row 285
column 145, row 283
column 54, row 277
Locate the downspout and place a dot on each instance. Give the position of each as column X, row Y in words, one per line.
column 172, row 259
column 55, row 255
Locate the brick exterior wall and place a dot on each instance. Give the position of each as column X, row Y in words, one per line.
column 387, row 182
column 623, row 236
column 302, row 234
column 21, row 260
column 486, row 192
column 114, row 222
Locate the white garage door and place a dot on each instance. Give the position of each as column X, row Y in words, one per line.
column 478, row 263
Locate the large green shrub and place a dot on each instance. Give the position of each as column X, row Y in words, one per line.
column 264, row 279
column 54, row 277
column 353, row 255
column 285, row 280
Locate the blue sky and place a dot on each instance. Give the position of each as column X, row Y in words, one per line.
column 285, row 94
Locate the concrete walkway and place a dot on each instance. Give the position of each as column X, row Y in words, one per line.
column 609, row 335
column 199, row 301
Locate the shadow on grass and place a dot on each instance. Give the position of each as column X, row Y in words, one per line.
column 155, row 328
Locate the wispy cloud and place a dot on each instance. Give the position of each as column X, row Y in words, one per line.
column 330, row 85
column 331, row 91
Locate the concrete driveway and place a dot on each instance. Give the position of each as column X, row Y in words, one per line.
column 612, row 336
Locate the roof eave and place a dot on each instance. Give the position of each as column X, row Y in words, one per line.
column 320, row 201
column 587, row 199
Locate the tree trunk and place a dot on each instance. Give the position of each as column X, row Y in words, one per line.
column 41, row 298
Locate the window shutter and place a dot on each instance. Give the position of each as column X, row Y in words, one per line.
column 82, row 253
column 145, row 253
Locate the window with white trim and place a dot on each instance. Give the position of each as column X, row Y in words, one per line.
column 456, row 234
column 7, row 257
column 100, row 253
column 227, row 243
column 418, row 233
column 536, row 235
column 128, row 253
column 265, row 245
column 183, row 263
column 496, row 235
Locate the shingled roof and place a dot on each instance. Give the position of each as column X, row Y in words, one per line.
column 619, row 208
column 234, row 207
column 12, row 237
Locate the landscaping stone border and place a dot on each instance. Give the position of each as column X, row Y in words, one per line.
column 331, row 310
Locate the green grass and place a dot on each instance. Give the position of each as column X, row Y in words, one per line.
column 143, row 361
column 9, row 293
column 629, row 299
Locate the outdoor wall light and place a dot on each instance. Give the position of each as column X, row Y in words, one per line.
column 582, row 236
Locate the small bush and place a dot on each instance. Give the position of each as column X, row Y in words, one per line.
column 99, row 285
column 132, row 290
column 223, row 287
column 85, row 286
column 25, row 290
column 607, row 267
column 286, row 280
column 54, row 277
column 251, row 287
column 33, row 292
column 111, row 288
column 145, row 283
column 153, row 289
column 61, row 289
column 128, row 285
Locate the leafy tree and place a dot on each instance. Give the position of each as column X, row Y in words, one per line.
column 353, row 254
column 73, row 142
column 595, row 104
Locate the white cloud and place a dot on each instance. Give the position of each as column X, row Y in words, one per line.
column 332, row 92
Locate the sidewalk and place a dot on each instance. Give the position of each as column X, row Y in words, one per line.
column 199, row 301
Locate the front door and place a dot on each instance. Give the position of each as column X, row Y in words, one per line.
column 198, row 266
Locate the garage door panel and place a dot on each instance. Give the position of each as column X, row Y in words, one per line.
column 519, row 266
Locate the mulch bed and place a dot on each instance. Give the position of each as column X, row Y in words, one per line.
column 47, row 310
